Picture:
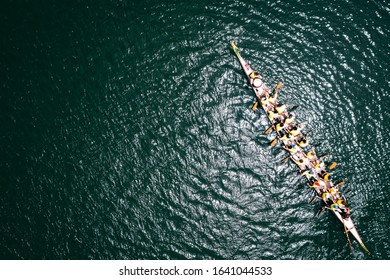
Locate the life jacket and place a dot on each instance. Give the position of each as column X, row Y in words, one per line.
column 284, row 137
column 340, row 201
column 264, row 101
column 254, row 74
column 292, row 150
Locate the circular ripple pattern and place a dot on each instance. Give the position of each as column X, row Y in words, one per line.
column 126, row 129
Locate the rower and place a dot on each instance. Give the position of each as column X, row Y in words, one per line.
column 266, row 104
column 308, row 173
column 320, row 166
column 327, row 176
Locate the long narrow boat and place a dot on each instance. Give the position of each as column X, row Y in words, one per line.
column 322, row 187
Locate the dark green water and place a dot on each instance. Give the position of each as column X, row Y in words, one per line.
column 126, row 129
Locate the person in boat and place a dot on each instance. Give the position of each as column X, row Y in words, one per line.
column 311, row 155
column 346, row 213
column 266, row 104
column 317, row 185
column 281, row 108
column 296, row 129
column 309, row 173
column 319, row 166
column 290, row 118
column 280, row 126
column 326, row 176
column 334, row 191
column 302, row 141
column 327, row 197
column 292, row 149
column 335, row 207
column 272, row 115
column 254, row 74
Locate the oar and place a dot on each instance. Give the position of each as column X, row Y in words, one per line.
column 333, row 165
column 293, row 108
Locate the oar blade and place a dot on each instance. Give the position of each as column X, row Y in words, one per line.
column 285, row 159
column 333, row 165
column 268, row 130
column 254, row 107
column 273, row 143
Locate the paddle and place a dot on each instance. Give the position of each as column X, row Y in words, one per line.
column 314, row 197
column 268, row 129
column 333, row 165
column 274, row 141
column 340, row 183
column 254, row 107
column 321, row 210
column 280, row 84
column 324, row 155
column 285, row 159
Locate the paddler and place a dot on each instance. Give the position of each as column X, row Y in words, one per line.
column 291, row 148
column 296, row 130
column 311, row 155
column 281, row 108
column 273, row 115
column 335, row 192
column 326, row 176
column 266, row 104
column 309, row 174
column 302, row 141
column 290, row 118
column 254, row 74
column 280, row 126
column 327, row 197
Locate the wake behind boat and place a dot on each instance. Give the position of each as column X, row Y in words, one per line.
column 296, row 143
